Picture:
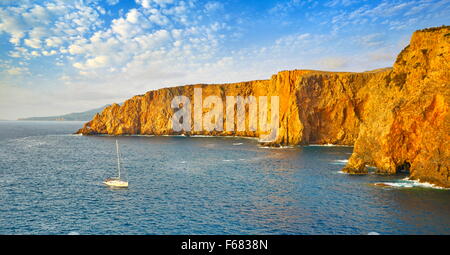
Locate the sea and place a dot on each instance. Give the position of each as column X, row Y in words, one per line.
column 51, row 184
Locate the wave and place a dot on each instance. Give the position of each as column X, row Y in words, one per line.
column 328, row 145
column 277, row 148
column 29, row 141
column 340, row 162
column 225, row 136
column 408, row 183
column 125, row 135
column 58, row 135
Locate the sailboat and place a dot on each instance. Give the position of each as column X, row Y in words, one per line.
column 116, row 181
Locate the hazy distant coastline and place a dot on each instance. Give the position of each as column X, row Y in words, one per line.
column 77, row 116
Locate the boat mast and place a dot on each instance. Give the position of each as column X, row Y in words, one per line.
column 118, row 158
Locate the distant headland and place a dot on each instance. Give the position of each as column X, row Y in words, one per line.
column 77, row 116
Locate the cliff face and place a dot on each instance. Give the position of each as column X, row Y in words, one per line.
column 397, row 119
column 406, row 124
column 314, row 107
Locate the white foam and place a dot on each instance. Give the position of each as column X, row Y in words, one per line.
column 277, row 148
column 228, row 160
column 340, row 162
column 225, row 136
column 29, row 141
column 244, row 137
column 408, row 183
column 65, row 135
column 327, row 145
column 237, row 144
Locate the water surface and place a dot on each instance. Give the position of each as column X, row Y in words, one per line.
column 51, row 183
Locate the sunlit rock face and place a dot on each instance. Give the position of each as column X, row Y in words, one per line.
column 397, row 118
column 314, row 107
column 406, row 121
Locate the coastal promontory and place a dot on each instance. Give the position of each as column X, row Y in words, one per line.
column 396, row 118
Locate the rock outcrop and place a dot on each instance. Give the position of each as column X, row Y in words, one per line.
column 406, row 121
column 314, row 107
column 397, row 118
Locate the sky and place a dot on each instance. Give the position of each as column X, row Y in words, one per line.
column 62, row 56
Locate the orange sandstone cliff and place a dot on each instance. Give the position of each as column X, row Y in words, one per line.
column 406, row 121
column 397, row 118
column 314, row 107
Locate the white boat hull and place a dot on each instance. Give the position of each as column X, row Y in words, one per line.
column 116, row 183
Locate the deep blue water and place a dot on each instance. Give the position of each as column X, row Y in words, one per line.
column 51, row 183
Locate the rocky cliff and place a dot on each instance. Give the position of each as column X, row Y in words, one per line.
column 397, row 118
column 314, row 107
column 406, row 121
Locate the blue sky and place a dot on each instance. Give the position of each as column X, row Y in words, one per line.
column 64, row 56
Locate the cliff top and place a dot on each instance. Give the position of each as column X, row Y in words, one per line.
column 434, row 29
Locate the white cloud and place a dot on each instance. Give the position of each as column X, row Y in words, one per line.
column 78, row 65
column 75, row 49
column 152, row 41
column 112, row 2
column 144, row 3
column 397, row 15
column 294, row 40
column 97, row 62
column 213, row 6
column 49, row 53
column 333, row 63
column 11, row 23
column 36, row 15
column 17, row 70
column 133, row 16
column 345, row 3
column 53, row 41
column 123, row 27
column 46, row 25
column 148, row 3
column 93, row 63
column 134, row 23
column 38, row 32
column 33, row 43
column 157, row 43
column 159, row 19
column 371, row 40
column 15, row 40
column 283, row 7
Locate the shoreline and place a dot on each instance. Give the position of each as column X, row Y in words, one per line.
column 408, row 183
